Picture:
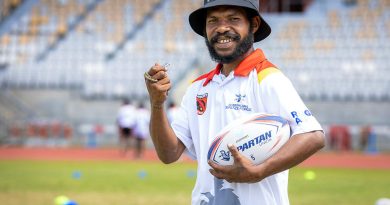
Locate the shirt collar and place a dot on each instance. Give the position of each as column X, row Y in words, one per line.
column 243, row 69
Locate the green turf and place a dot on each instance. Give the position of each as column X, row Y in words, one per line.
column 145, row 183
column 339, row 186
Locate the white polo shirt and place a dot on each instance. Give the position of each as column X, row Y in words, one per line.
column 141, row 128
column 126, row 116
column 213, row 100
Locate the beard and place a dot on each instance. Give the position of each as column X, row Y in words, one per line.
column 242, row 47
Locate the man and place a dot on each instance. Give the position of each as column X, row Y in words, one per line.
column 172, row 111
column 141, row 130
column 125, row 122
column 243, row 82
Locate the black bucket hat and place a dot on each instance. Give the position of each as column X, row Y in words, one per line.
column 198, row 17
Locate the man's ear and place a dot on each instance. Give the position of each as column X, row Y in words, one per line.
column 256, row 21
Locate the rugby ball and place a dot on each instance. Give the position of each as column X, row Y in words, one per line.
column 257, row 136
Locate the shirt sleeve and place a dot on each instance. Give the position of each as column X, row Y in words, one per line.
column 280, row 97
column 180, row 126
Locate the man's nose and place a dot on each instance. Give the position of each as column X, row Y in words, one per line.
column 223, row 27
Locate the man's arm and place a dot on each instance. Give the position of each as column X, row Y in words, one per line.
column 168, row 147
column 296, row 150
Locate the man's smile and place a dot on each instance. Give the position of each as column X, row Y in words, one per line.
column 225, row 42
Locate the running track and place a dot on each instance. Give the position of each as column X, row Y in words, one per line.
column 321, row 159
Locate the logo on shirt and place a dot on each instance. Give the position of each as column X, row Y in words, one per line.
column 201, row 103
column 222, row 195
column 298, row 116
column 240, row 98
column 239, row 103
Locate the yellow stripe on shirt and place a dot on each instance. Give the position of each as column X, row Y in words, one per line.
column 264, row 73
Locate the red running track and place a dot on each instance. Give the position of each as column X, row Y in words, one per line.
column 321, row 159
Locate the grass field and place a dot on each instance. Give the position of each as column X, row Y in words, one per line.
column 153, row 183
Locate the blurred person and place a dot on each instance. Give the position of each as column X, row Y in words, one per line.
column 141, row 130
column 56, row 129
column 364, row 134
column 68, row 131
column 243, row 82
column 125, row 123
column 16, row 130
column 367, row 140
column 172, row 111
column 340, row 138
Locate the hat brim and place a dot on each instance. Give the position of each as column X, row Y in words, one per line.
column 197, row 18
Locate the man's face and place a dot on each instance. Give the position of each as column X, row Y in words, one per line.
column 228, row 33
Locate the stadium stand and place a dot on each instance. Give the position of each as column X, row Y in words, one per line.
column 335, row 52
column 338, row 47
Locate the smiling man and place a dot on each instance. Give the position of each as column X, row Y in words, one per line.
column 243, row 82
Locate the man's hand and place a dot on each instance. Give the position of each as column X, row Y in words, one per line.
column 241, row 171
column 158, row 84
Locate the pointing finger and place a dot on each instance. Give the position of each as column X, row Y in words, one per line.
column 233, row 150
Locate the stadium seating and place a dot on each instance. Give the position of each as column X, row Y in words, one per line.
column 340, row 50
column 99, row 49
column 7, row 7
column 340, row 47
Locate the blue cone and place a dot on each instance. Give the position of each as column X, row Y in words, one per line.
column 76, row 175
column 70, row 202
column 142, row 174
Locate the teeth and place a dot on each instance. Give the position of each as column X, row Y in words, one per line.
column 225, row 41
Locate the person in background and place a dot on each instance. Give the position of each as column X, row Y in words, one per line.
column 141, row 130
column 172, row 111
column 125, row 123
column 367, row 141
column 340, row 138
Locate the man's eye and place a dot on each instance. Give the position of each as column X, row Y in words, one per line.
column 211, row 21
